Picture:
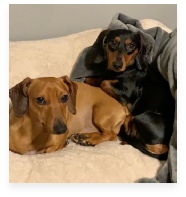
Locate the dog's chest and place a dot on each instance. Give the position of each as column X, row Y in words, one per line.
column 81, row 123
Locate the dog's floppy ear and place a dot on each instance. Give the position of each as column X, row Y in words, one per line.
column 143, row 57
column 19, row 98
column 97, row 51
column 72, row 91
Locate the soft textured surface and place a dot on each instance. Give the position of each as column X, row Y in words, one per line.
column 107, row 162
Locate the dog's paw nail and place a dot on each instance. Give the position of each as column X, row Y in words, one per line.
column 67, row 142
column 75, row 136
column 85, row 143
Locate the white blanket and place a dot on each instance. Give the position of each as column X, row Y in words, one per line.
column 108, row 162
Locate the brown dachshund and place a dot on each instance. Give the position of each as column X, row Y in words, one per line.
column 47, row 111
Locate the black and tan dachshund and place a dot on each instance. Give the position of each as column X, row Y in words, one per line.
column 121, row 56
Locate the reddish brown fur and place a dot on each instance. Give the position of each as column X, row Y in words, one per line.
column 89, row 111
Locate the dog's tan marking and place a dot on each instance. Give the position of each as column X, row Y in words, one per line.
column 130, row 128
column 93, row 81
column 129, row 59
column 111, row 55
column 157, row 148
column 106, row 86
column 123, row 143
column 117, row 39
column 127, row 41
column 127, row 124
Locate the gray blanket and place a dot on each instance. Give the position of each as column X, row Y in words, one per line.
column 162, row 50
column 167, row 65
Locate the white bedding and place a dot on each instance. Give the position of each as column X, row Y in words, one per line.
column 108, row 162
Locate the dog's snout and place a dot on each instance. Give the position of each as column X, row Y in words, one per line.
column 59, row 127
column 117, row 65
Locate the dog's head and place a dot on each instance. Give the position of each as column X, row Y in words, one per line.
column 46, row 100
column 121, row 48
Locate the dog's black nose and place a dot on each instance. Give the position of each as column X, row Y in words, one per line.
column 59, row 127
column 117, row 65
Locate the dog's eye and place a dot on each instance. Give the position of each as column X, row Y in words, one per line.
column 132, row 45
column 40, row 101
column 64, row 98
column 113, row 42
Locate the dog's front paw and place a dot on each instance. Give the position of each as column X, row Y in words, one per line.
column 81, row 139
column 93, row 81
column 66, row 142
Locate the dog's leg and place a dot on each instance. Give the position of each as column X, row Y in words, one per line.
column 53, row 149
column 54, row 143
column 92, row 139
column 148, row 133
column 93, row 81
column 114, row 89
column 128, row 124
column 107, row 123
column 107, row 86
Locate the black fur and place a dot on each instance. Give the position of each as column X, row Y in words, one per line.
column 142, row 88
